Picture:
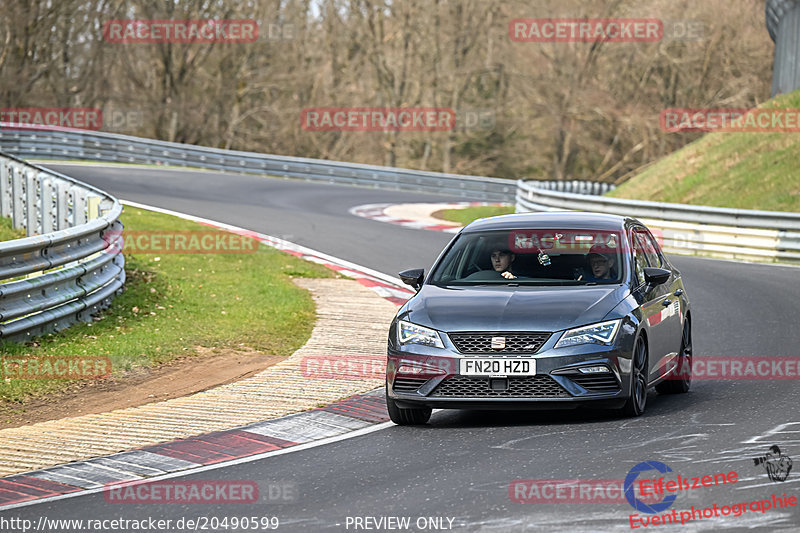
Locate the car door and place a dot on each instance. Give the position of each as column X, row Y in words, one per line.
column 672, row 313
column 653, row 302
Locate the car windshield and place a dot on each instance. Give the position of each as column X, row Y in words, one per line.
column 532, row 257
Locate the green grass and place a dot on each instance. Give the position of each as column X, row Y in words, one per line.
column 468, row 214
column 174, row 303
column 741, row 170
column 7, row 232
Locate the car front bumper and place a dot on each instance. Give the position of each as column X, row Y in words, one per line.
column 436, row 380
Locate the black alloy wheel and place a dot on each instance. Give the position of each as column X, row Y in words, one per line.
column 637, row 401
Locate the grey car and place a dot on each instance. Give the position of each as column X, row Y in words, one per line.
column 546, row 310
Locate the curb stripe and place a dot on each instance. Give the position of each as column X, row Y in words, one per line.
column 378, row 213
column 308, row 427
column 356, row 413
column 217, row 447
column 344, row 416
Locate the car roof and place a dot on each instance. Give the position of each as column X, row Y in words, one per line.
column 552, row 220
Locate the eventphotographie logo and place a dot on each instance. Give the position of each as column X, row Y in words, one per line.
column 777, row 464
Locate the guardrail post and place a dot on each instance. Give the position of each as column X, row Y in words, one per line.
column 18, row 200
column 48, row 205
column 5, row 189
column 32, row 217
column 62, row 205
column 78, row 206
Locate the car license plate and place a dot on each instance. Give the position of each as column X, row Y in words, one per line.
column 497, row 366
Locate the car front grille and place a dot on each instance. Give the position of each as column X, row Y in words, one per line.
column 597, row 383
column 480, row 342
column 408, row 384
column 522, row 387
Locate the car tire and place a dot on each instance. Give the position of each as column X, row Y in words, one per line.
column 407, row 417
column 682, row 384
column 637, row 402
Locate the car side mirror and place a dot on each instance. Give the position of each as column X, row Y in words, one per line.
column 413, row 277
column 656, row 276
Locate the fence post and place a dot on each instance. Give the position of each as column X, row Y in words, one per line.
column 48, row 217
column 32, row 217
column 78, row 206
column 5, row 189
column 17, row 199
column 62, row 205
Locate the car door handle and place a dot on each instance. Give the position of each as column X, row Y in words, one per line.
column 678, row 292
column 665, row 303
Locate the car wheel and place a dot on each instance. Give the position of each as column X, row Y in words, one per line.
column 680, row 384
column 407, row 417
column 637, row 401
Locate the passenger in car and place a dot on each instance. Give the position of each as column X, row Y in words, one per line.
column 601, row 264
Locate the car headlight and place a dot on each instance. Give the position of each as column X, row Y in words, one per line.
column 600, row 333
column 408, row 333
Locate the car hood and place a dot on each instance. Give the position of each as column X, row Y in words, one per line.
column 511, row 309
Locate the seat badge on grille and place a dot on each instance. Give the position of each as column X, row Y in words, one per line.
column 498, row 343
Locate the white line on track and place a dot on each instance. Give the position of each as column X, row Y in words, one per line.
column 215, row 466
column 258, row 457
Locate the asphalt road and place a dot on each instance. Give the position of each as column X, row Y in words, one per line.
column 460, row 466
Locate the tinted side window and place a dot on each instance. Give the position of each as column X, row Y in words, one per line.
column 650, row 248
column 639, row 259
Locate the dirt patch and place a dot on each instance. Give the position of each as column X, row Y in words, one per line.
column 176, row 378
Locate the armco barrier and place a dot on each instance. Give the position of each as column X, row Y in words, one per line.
column 57, row 275
column 734, row 233
column 37, row 142
column 690, row 229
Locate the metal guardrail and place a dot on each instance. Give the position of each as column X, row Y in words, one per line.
column 68, row 267
column 701, row 230
column 734, row 233
column 59, row 143
column 783, row 25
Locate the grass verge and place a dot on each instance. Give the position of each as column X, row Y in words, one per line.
column 740, row 170
column 7, row 231
column 175, row 303
column 468, row 214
